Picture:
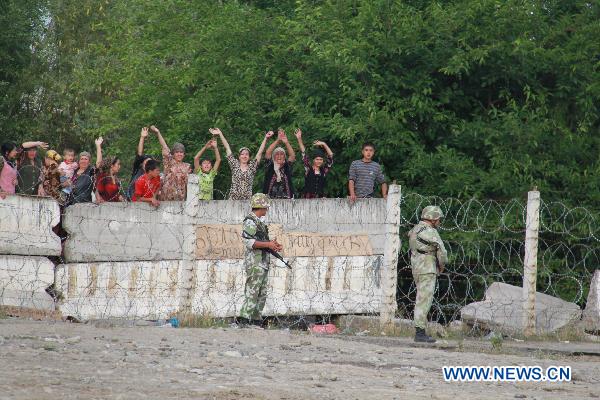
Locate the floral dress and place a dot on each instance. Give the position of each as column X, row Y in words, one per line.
column 51, row 184
column 241, row 181
column 174, row 184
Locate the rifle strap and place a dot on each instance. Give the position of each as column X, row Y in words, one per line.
column 423, row 241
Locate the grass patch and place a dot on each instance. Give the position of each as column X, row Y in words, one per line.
column 201, row 321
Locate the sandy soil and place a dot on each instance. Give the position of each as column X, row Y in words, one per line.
column 55, row 360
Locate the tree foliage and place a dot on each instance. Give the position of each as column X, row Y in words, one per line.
column 462, row 98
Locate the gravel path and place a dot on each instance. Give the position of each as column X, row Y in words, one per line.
column 55, row 360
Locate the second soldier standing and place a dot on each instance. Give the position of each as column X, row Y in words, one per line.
column 255, row 235
column 428, row 257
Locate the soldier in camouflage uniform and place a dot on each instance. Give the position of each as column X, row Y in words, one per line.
column 255, row 235
column 428, row 257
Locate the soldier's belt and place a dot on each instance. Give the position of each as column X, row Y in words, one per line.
column 424, row 252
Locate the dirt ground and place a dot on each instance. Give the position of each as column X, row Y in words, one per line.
column 56, row 360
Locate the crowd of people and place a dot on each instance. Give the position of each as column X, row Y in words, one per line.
column 71, row 180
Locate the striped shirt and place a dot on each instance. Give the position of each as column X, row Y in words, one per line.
column 365, row 175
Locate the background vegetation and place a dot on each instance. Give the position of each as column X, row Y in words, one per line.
column 463, row 98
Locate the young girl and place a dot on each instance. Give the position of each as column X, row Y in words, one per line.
column 8, row 169
column 29, row 169
column 205, row 170
column 315, row 172
column 242, row 168
column 108, row 185
column 174, row 183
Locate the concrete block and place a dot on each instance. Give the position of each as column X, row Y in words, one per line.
column 591, row 314
column 335, row 216
column 502, row 310
column 156, row 289
column 124, row 232
column 139, row 232
column 129, row 290
column 23, row 281
column 315, row 285
column 26, row 224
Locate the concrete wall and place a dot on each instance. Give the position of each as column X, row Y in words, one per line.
column 23, row 281
column 26, row 226
column 130, row 290
column 138, row 232
column 124, row 232
column 153, row 290
column 130, row 260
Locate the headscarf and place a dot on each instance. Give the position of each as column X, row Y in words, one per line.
column 276, row 166
column 244, row 148
column 53, row 155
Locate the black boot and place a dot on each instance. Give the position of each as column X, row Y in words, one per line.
column 257, row 323
column 421, row 336
column 242, row 322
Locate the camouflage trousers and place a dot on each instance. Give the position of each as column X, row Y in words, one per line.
column 425, row 287
column 255, row 292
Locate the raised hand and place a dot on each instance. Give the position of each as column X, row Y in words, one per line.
column 215, row 131
column 144, row 133
column 298, row 133
column 318, row 143
column 213, row 144
column 154, row 129
column 281, row 135
column 43, row 145
column 99, row 141
column 269, row 134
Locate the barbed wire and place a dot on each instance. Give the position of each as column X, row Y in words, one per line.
column 578, row 223
column 471, row 215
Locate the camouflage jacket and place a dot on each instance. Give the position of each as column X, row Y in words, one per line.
column 254, row 229
column 425, row 246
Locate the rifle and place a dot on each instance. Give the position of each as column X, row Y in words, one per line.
column 438, row 266
column 270, row 251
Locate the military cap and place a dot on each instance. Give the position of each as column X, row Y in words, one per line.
column 432, row 213
column 260, row 200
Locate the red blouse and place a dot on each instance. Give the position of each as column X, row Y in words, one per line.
column 107, row 188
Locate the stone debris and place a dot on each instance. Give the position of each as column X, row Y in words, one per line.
column 591, row 314
column 502, row 311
